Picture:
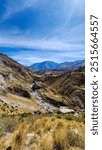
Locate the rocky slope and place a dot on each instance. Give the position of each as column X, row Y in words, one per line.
column 67, row 88
column 13, row 76
column 18, row 87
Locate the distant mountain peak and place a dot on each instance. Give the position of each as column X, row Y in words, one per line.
column 50, row 65
column 46, row 65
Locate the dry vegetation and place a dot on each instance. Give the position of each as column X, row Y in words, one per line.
column 6, row 109
column 14, row 77
column 19, row 129
column 14, row 104
column 40, row 133
column 70, row 88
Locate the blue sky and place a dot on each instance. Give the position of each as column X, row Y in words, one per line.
column 39, row 30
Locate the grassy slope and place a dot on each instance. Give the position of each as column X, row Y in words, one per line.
column 16, row 104
column 15, row 78
column 41, row 133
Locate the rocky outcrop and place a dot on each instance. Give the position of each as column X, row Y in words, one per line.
column 20, row 91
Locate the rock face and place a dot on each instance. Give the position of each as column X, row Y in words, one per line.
column 20, row 91
column 35, row 86
column 44, row 105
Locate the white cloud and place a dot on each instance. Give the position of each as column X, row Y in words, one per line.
column 28, row 58
column 39, row 44
column 66, row 39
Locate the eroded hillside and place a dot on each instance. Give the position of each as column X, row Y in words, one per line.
column 15, row 86
column 30, row 116
column 67, row 88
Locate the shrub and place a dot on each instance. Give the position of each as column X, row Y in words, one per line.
column 75, row 140
column 69, row 117
column 80, row 119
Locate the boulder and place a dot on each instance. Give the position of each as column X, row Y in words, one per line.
column 66, row 110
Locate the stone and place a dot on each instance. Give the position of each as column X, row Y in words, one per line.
column 66, row 110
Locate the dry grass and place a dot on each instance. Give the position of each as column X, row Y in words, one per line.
column 45, row 133
column 71, row 87
column 6, row 109
column 17, row 104
column 53, row 95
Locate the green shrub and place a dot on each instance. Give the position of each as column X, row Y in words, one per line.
column 80, row 119
column 69, row 117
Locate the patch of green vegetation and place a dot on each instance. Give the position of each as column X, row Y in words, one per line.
column 71, row 117
column 80, row 119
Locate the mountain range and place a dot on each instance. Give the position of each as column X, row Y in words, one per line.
column 50, row 65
